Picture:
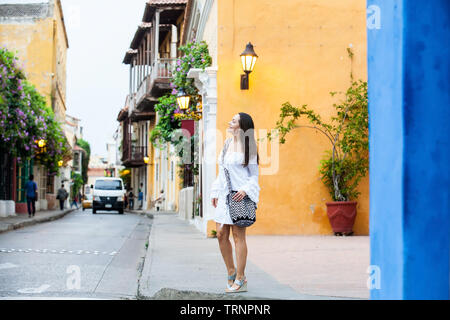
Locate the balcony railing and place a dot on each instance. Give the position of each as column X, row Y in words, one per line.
column 163, row 68
column 138, row 153
column 133, row 155
column 144, row 88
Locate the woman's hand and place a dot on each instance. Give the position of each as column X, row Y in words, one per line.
column 239, row 196
column 214, row 202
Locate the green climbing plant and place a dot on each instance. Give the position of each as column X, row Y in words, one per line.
column 26, row 119
column 347, row 162
column 195, row 55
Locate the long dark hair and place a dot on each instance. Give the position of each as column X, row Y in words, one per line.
column 247, row 137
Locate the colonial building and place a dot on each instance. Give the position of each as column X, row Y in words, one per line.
column 151, row 57
column 302, row 48
column 37, row 32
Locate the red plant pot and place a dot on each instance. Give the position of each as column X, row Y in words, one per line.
column 342, row 215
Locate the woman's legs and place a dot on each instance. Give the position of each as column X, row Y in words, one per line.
column 29, row 203
column 223, row 235
column 241, row 251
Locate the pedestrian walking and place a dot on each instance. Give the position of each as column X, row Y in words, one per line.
column 31, row 194
column 239, row 166
column 160, row 200
column 125, row 200
column 74, row 201
column 131, row 199
column 62, row 196
column 141, row 197
column 80, row 197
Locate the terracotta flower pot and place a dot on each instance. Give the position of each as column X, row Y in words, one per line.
column 342, row 216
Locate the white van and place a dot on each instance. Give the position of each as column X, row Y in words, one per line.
column 108, row 194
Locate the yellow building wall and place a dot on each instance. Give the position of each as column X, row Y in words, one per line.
column 42, row 51
column 302, row 48
column 34, row 46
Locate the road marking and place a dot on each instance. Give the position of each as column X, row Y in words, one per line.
column 7, row 266
column 61, row 251
column 41, row 289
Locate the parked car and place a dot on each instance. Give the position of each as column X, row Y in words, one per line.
column 87, row 202
column 108, row 194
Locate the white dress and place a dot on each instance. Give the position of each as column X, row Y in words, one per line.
column 242, row 179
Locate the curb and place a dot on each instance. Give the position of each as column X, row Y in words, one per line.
column 174, row 294
column 28, row 223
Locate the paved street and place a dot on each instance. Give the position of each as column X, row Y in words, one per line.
column 79, row 256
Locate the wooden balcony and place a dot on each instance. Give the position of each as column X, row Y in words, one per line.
column 155, row 84
column 133, row 156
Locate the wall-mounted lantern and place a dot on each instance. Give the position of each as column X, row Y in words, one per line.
column 42, row 146
column 248, row 59
column 60, row 163
column 146, row 160
column 183, row 100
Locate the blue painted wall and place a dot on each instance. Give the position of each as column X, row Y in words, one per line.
column 409, row 112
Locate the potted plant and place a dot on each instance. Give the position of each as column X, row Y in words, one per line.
column 347, row 162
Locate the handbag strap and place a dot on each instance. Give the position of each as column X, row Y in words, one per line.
column 227, row 174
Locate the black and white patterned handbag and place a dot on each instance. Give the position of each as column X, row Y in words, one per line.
column 243, row 213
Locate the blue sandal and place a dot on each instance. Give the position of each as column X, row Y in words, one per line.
column 242, row 286
column 231, row 278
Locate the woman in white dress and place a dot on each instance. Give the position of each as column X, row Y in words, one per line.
column 242, row 162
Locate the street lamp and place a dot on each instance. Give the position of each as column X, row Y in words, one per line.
column 183, row 100
column 41, row 144
column 248, row 59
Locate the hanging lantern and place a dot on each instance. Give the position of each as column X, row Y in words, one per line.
column 183, row 100
column 42, row 143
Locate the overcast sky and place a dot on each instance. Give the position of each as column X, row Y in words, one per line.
column 99, row 32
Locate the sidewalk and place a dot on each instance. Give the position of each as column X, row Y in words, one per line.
column 182, row 264
column 22, row 220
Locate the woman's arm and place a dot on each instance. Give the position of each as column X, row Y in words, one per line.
column 251, row 187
